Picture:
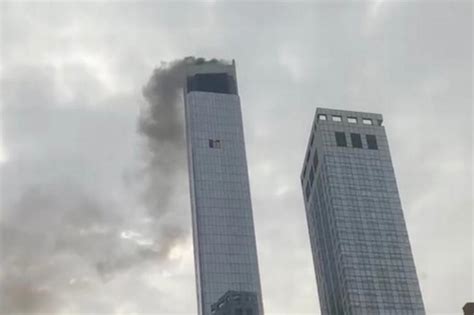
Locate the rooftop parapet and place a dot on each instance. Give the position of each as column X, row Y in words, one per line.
column 346, row 116
column 214, row 76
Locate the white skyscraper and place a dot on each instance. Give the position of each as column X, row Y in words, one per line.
column 223, row 230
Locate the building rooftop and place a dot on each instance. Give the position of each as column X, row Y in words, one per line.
column 213, row 76
column 361, row 117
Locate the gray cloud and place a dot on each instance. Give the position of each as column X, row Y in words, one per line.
column 48, row 233
column 68, row 221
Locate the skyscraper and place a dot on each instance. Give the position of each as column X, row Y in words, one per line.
column 361, row 252
column 223, row 230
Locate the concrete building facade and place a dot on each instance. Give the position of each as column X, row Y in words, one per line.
column 223, row 230
column 361, row 251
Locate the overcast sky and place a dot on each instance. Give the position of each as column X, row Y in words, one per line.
column 75, row 230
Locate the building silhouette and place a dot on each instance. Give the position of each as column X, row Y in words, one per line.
column 361, row 251
column 223, row 230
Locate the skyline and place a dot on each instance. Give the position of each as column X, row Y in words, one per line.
column 72, row 78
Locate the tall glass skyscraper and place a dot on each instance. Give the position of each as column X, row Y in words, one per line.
column 361, row 252
column 223, row 230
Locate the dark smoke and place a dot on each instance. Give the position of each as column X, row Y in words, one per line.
column 60, row 234
column 161, row 122
column 49, row 235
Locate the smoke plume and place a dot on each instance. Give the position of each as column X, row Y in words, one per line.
column 161, row 123
column 68, row 225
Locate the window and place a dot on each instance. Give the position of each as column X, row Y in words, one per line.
column 356, row 140
column 312, row 140
column 336, row 118
column 212, row 82
column 352, row 120
column 322, row 117
column 341, row 139
column 371, row 142
column 215, row 144
column 311, row 177
column 239, row 311
column 249, row 311
column 367, row 121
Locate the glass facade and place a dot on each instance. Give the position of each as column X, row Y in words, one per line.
column 223, row 231
column 359, row 241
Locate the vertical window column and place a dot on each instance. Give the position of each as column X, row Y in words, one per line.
column 341, row 139
column 356, row 140
column 371, row 142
